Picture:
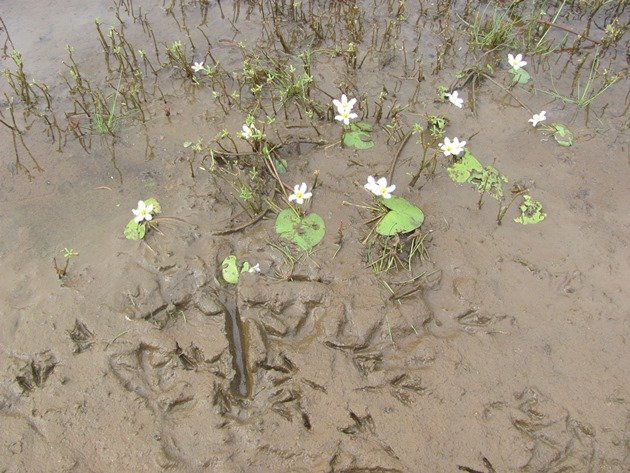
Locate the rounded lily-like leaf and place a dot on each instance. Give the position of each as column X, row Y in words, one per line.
column 521, row 76
column 305, row 232
column 403, row 217
column 357, row 136
column 463, row 169
column 156, row 205
column 135, row 230
column 562, row 135
column 229, row 270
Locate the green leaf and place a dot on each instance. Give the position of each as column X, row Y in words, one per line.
column 246, row 267
column 562, row 135
column 357, row 135
column 531, row 211
column 305, row 232
column 462, row 169
column 403, row 217
column 281, row 165
column 156, row 205
column 489, row 181
column 135, row 230
column 521, row 76
column 229, row 270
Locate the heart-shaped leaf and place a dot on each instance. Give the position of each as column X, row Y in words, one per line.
column 305, row 232
column 562, row 135
column 135, row 230
column 521, row 76
column 229, row 270
column 403, row 217
column 463, row 169
column 156, row 205
column 357, row 135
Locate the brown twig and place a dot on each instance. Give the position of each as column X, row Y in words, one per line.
column 392, row 167
column 256, row 219
column 568, row 30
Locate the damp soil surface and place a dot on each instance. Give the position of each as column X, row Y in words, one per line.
column 495, row 348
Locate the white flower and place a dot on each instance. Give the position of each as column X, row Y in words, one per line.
column 379, row 187
column 249, row 131
column 143, row 212
column 454, row 147
column 538, row 117
column 345, row 116
column 454, row 99
column 344, row 105
column 254, row 269
column 197, row 67
column 516, row 62
column 300, row 194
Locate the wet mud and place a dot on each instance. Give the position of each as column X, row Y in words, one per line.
column 494, row 348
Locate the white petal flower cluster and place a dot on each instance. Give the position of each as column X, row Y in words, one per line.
column 249, row 131
column 537, row 118
column 344, row 109
column 380, row 187
column 197, row 67
column 143, row 212
column 454, row 148
column 300, row 194
column 516, row 62
column 454, row 98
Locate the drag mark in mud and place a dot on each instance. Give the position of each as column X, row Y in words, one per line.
column 241, row 384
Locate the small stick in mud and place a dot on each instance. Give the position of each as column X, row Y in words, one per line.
column 61, row 272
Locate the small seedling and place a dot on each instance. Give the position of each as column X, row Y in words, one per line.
column 437, row 126
column 68, row 253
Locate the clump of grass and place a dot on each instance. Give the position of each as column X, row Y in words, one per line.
column 396, row 252
column 493, row 31
column 106, row 124
column 584, row 97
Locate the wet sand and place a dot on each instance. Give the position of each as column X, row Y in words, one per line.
column 510, row 355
